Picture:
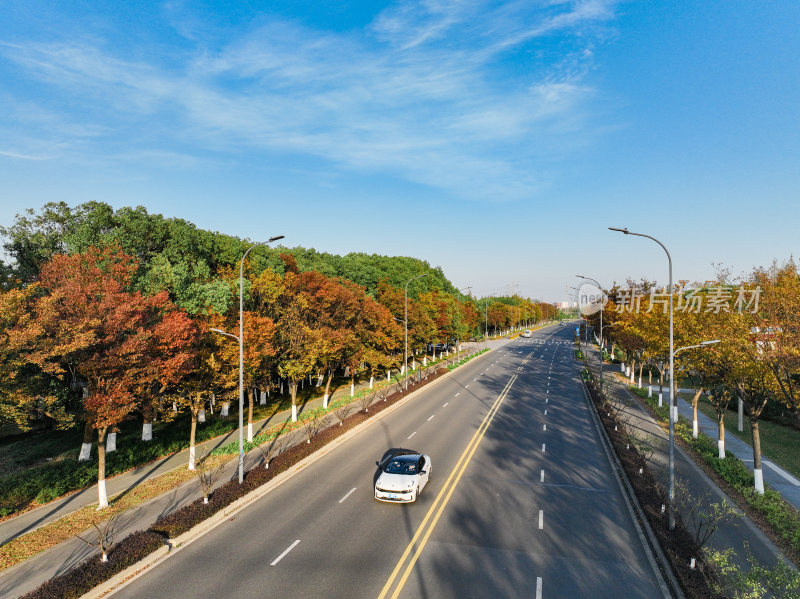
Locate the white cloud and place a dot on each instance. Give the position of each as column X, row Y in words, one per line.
column 426, row 93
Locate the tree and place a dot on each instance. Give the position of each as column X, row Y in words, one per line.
column 89, row 326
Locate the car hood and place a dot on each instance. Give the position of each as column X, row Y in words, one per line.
column 396, row 482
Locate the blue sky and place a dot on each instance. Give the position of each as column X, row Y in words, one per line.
column 497, row 140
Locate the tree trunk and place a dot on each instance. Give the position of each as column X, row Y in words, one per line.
column 192, row 433
column 327, row 387
column 111, row 441
column 641, row 367
column 695, row 401
column 250, row 394
column 147, row 417
column 757, row 474
column 293, row 391
column 86, row 446
column 721, row 435
column 101, row 469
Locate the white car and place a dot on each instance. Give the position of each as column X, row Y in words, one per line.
column 526, row 333
column 403, row 476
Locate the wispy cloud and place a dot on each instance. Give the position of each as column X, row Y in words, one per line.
column 447, row 93
column 22, row 156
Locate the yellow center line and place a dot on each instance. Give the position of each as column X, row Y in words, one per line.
column 442, row 499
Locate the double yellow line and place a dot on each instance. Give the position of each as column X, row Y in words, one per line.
column 434, row 513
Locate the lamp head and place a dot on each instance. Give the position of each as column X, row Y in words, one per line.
column 625, row 230
column 712, row 342
column 276, row 238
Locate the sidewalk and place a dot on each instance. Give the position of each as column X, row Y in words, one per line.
column 29, row 574
column 730, row 535
column 780, row 480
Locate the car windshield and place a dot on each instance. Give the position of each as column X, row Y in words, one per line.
column 401, row 467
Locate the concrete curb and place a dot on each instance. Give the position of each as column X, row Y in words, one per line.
column 658, row 561
column 133, row 572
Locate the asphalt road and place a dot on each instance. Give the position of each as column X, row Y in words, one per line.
column 522, row 503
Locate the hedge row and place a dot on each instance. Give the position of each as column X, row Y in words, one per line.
column 92, row 572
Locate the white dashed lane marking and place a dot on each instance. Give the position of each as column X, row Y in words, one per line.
column 347, row 495
column 282, row 555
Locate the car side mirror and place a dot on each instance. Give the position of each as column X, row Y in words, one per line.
column 422, row 471
column 378, row 464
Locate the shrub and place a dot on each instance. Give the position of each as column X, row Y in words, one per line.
column 92, row 572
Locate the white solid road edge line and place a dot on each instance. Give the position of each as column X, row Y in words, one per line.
column 538, row 587
column 282, row 555
column 350, row 492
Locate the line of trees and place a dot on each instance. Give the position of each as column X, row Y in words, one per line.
column 757, row 360
column 107, row 316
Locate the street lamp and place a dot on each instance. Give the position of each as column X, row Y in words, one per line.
column 240, row 339
column 405, row 329
column 602, row 307
column 671, row 496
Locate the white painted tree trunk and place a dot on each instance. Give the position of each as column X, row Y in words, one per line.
column 695, row 428
column 721, row 449
column 191, row 457
column 352, row 389
column 111, row 442
column 201, row 416
column 388, row 375
column 759, row 481
column 294, row 413
column 263, row 401
column 371, row 380
column 249, row 432
column 225, row 409
column 102, row 496
column 622, row 366
column 413, row 364
column 86, row 452
column 403, row 369
column 640, row 381
column 740, row 422
column 147, row 431
column 174, row 406
column 281, row 388
column 424, row 360
column 325, row 401
column 649, row 390
column 660, row 399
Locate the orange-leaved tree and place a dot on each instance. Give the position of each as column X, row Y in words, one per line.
column 88, row 324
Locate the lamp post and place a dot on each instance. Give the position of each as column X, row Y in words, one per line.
column 671, row 496
column 405, row 331
column 240, row 339
column 577, row 311
column 602, row 307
